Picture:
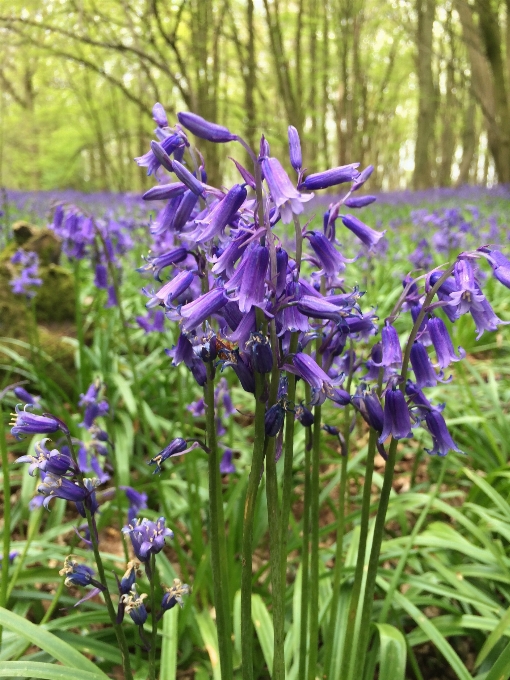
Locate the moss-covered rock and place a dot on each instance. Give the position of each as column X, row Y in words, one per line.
column 54, row 303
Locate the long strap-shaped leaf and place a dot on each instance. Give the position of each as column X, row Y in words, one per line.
column 44, row 671
column 393, row 653
column 434, row 635
column 58, row 649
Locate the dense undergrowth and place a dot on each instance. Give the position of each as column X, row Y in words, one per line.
column 444, row 576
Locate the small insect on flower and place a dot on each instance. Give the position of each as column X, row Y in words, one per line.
column 224, row 348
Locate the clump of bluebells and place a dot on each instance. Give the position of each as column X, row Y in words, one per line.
column 27, row 265
column 64, row 473
column 280, row 317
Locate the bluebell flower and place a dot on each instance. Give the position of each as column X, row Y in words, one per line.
column 177, row 447
column 223, row 212
column 261, row 353
column 211, row 132
column 391, row 350
column 153, row 322
column 368, row 236
column 296, row 159
column 158, row 263
column 467, row 295
column 149, row 160
column 196, row 312
column 500, row 264
column 78, row 574
column 161, row 156
column 304, row 415
column 90, row 501
column 134, row 606
column 172, row 290
column 485, row 318
column 137, row 501
column 163, row 192
column 11, row 557
column 288, row 200
column 322, row 385
column 174, row 595
column 369, row 405
column 331, row 177
column 330, row 259
column 359, row 201
column 22, row 394
column 159, row 115
column 397, row 420
column 419, row 402
column 25, row 422
column 252, row 284
column 362, row 178
column 227, row 466
column 127, row 581
column 187, row 178
column 425, row 375
column 442, row 343
column 54, row 486
column 48, row 461
column 101, row 277
column 442, row 441
column 147, row 537
column 274, row 419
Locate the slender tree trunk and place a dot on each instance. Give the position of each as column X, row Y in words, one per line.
column 422, row 177
column 469, row 140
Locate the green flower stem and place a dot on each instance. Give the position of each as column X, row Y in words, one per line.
column 348, row 649
column 82, row 373
column 277, row 582
column 247, row 546
column 340, row 532
column 305, row 581
column 289, row 426
column 119, row 631
column 366, row 612
column 6, row 542
column 217, row 535
column 373, row 565
column 154, row 630
column 314, row 554
column 287, row 469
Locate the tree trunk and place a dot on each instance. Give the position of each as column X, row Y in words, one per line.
column 490, row 77
column 422, row 177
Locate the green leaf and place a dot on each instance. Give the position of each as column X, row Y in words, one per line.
column 501, row 669
column 44, row 671
column 169, row 647
column 126, row 393
column 493, row 638
column 434, row 635
column 49, row 643
column 393, row 653
column 210, row 638
column 263, row 624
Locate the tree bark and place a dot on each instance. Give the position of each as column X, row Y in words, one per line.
column 427, row 104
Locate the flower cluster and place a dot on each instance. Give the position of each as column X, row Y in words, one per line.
column 28, row 275
column 243, row 300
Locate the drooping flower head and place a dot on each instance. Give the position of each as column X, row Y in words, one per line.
column 147, row 537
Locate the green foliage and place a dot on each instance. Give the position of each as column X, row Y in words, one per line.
column 447, row 537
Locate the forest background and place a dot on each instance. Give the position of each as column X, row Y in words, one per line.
column 420, row 89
